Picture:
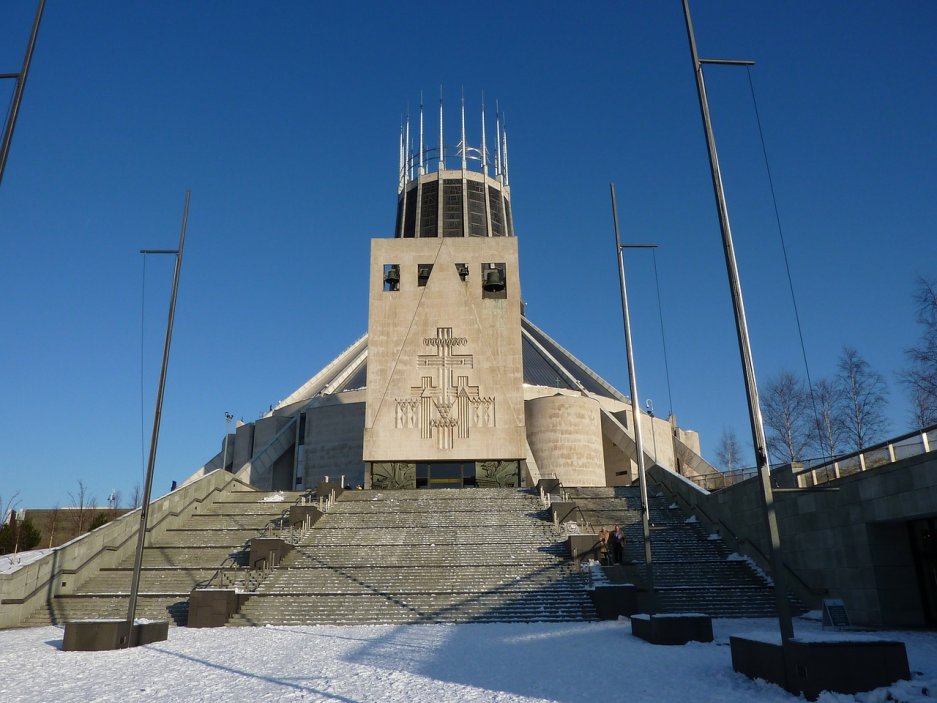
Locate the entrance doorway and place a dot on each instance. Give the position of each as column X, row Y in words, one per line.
column 446, row 474
column 924, row 549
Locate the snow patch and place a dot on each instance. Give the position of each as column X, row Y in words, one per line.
column 277, row 497
column 713, row 537
column 753, row 565
column 692, row 520
column 11, row 562
column 593, row 568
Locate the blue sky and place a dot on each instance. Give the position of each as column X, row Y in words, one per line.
column 283, row 120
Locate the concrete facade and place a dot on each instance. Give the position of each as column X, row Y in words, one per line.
column 851, row 542
column 445, row 369
column 333, row 444
column 565, row 436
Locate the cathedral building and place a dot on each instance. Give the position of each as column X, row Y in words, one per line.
column 452, row 386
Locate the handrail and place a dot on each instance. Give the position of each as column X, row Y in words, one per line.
column 271, row 527
column 56, row 573
column 863, row 465
column 546, row 502
column 743, row 540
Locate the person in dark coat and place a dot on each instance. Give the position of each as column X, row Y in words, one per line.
column 617, row 538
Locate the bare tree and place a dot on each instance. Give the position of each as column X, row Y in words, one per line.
column 7, row 507
column 829, row 432
column 863, row 396
column 52, row 519
column 136, row 496
column 82, row 503
column 728, row 451
column 920, row 378
column 786, row 407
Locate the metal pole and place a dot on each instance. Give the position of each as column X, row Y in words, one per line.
column 18, row 92
column 635, row 411
column 144, row 508
column 741, row 326
column 227, row 431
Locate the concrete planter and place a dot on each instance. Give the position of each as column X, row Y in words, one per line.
column 614, row 599
column 583, row 547
column 563, row 511
column 213, row 607
column 672, row 629
column 267, row 551
column 299, row 513
column 100, row 635
column 325, row 487
column 812, row 667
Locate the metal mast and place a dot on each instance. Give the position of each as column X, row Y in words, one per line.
column 442, row 148
column 18, row 91
column 741, row 326
column 157, row 415
column 635, row 411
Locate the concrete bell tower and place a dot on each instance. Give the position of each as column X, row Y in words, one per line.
column 445, row 402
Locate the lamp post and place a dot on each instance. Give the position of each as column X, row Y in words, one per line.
column 635, row 412
column 649, row 404
column 741, row 326
column 157, row 416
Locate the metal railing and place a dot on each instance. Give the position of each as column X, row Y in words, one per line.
column 546, row 501
column 723, row 479
column 882, row 454
column 245, row 579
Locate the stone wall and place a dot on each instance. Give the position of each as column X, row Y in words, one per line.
column 850, row 543
column 67, row 567
column 333, row 444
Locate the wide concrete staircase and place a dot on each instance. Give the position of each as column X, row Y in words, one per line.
column 693, row 571
column 424, row 556
column 173, row 564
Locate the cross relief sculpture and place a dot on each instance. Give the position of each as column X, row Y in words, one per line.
column 444, row 405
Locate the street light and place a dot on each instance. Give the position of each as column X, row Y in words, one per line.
column 157, row 415
column 649, row 404
column 635, row 412
column 227, row 431
column 785, row 623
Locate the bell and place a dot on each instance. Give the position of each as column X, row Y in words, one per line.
column 494, row 281
column 423, row 275
column 392, row 277
column 463, row 271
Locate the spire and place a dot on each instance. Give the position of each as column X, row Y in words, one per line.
column 484, row 147
column 422, row 171
column 498, row 173
column 400, row 173
column 409, row 161
column 505, row 135
column 442, row 148
column 464, row 164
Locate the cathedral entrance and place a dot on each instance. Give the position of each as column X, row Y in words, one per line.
column 444, row 474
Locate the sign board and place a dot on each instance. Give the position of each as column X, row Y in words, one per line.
column 834, row 613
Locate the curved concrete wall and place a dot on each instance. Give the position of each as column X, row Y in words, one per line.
column 565, row 436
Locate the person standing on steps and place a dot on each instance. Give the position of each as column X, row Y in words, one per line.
column 618, row 544
column 604, row 556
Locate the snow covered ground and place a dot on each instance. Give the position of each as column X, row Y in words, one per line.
column 572, row 662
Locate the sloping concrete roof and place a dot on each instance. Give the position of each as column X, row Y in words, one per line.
column 546, row 363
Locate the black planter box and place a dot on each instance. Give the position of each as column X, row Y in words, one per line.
column 672, row 629
column 811, row 667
